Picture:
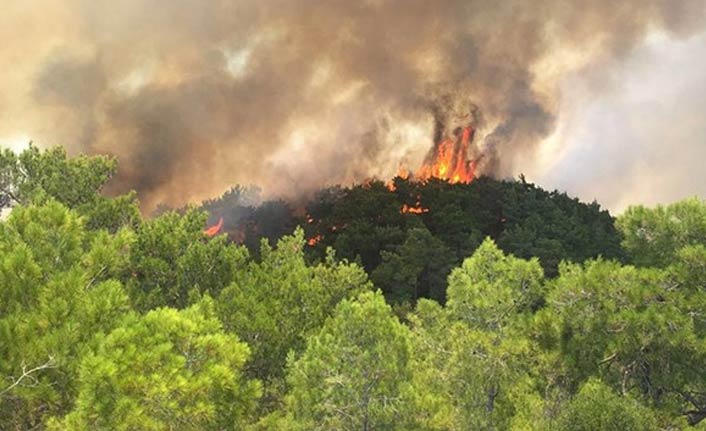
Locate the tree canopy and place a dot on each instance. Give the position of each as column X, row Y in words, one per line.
column 492, row 306
column 168, row 369
column 408, row 235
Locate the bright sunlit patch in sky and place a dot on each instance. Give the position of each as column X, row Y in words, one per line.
column 136, row 79
column 15, row 142
column 237, row 62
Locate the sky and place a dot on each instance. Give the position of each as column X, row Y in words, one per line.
column 602, row 99
column 642, row 142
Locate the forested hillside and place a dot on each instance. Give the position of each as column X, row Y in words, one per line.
column 404, row 306
column 409, row 235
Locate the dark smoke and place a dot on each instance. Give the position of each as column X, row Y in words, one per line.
column 194, row 96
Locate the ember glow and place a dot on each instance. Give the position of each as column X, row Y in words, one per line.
column 416, row 209
column 314, row 240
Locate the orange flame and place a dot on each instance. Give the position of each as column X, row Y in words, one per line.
column 418, row 209
column 450, row 161
column 213, row 230
column 314, row 240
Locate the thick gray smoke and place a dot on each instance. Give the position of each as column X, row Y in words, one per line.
column 193, row 96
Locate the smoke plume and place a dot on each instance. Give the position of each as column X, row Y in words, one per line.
column 194, row 96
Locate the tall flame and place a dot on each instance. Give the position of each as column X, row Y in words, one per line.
column 449, row 160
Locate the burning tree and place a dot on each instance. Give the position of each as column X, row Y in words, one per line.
column 450, row 159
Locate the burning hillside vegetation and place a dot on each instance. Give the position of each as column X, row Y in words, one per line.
column 320, row 93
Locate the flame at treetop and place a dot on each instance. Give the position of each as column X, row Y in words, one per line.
column 449, row 159
column 213, row 230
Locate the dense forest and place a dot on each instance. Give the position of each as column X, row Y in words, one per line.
column 409, row 235
column 493, row 305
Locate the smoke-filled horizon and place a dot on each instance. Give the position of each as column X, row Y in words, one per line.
column 194, row 96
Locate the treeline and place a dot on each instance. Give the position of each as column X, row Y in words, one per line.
column 409, row 235
column 110, row 321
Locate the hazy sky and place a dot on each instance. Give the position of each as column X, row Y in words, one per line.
column 643, row 140
column 603, row 99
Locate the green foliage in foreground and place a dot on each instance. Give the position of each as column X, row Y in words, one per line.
column 167, row 369
column 654, row 237
column 597, row 407
column 57, row 299
column 112, row 323
column 277, row 303
column 35, row 176
column 354, row 372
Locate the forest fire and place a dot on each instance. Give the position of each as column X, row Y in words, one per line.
column 314, row 240
column 215, row 229
column 449, row 159
column 417, row 209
